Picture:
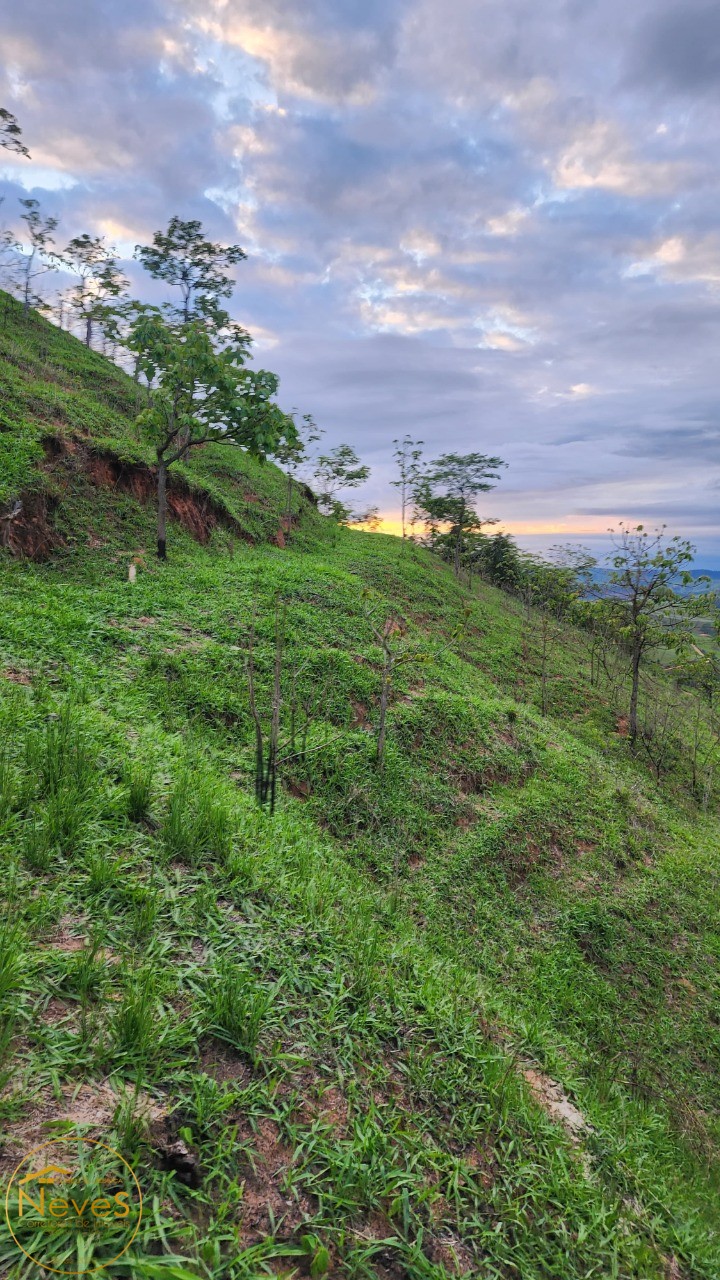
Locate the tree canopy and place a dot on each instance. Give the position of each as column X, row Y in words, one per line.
column 185, row 259
column 11, row 134
column 446, row 491
column 199, row 393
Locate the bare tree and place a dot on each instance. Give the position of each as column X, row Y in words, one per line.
column 407, row 454
column 273, row 751
column 387, row 633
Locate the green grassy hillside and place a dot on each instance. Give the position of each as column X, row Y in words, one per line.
column 457, row 1014
column 67, row 430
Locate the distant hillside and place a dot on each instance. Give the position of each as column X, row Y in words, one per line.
column 455, row 1013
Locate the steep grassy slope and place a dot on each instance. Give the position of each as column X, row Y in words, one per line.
column 455, row 1015
column 67, row 430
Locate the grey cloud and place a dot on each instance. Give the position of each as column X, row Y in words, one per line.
column 692, row 515
column 688, row 443
column 679, row 49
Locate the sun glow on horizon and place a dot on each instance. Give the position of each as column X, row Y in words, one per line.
column 564, row 528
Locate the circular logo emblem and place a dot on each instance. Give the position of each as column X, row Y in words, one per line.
column 73, row 1206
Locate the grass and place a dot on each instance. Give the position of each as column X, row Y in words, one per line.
column 351, row 1015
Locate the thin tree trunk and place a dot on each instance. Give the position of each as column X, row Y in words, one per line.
column 88, row 331
column 384, row 701
column 289, row 506
column 543, row 670
column 259, row 749
column 162, row 510
column 636, row 655
column 276, row 703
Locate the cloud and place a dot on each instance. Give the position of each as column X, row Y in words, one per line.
column 681, row 259
column 599, row 156
column 697, row 445
column 313, row 50
column 494, row 226
column 678, row 49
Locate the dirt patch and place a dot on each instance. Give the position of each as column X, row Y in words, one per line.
column 91, row 1107
column 26, row 527
column 265, row 1206
column 199, row 951
column 220, row 1062
column 66, row 937
column 449, row 1252
column 26, row 523
column 554, row 1101
column 17, row 677
column 334, row 1108
column 55, row 1011
column 299, row 789
column 94, row 1106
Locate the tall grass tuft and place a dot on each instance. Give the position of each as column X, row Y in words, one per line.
column 197, row 826
column 12, row 957
column 139, row 777
column 135, row 1024
column 236, row 1007
column 60, row 755
column 7, row 786
column 35, row 845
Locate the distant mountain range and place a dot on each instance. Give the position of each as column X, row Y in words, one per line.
column 601, row 574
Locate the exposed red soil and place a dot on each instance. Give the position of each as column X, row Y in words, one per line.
column 298, row 788
column 26, row 526
column 360, row 715
column 26, row 523
column 265, row 1205
column 199, row 515
column 16, row 677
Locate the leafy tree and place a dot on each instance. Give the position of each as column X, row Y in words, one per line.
column 11, row 134
column 447, row 490
column 501, row 561
column 100, row 281
column 407, row 454
column 200, row 394
column 560, row 581
column 291, row 454
column 643, row 601
column 183, row 258
column 37, row 260
column 337, row 470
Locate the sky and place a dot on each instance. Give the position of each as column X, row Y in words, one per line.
column 491, row 224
